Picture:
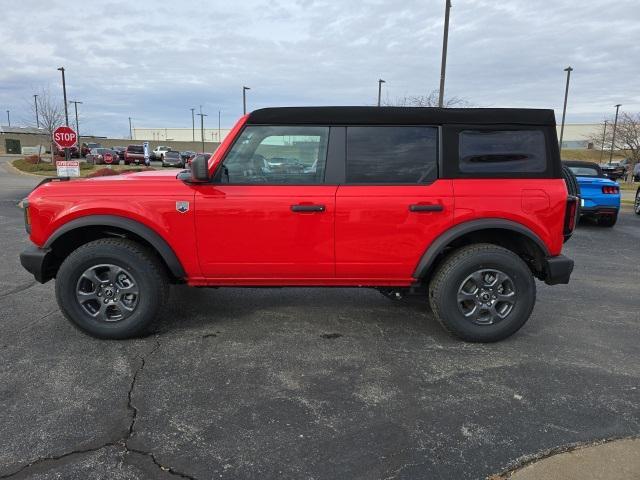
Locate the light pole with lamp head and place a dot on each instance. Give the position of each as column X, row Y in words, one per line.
column 380, row 82
column 564, row 109
column 244, row 99
column 613, row 137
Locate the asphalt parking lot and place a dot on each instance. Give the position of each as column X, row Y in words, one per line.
column 315, row 383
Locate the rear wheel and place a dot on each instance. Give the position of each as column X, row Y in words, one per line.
column 482, row 293
column 111, row 288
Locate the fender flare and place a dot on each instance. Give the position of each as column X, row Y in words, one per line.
column 440, row 243
column 155, row 240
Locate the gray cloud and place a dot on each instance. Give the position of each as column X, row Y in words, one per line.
column 152, row 60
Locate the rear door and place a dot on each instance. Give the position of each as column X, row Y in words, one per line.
column 391, row 205
column 268, row 217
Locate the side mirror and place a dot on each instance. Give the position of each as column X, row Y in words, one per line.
column 200, row 169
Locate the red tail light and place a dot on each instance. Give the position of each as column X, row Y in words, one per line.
column 610, row 189
column 570, row 216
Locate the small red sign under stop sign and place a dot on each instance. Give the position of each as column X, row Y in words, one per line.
column 65, row 137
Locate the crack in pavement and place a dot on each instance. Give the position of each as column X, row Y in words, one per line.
column 121, row 442
column 20, row 288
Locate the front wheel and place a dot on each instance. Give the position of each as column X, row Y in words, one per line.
column 482, row 293
column 111, row 288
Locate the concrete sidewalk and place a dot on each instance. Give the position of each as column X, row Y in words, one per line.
column 618, row 460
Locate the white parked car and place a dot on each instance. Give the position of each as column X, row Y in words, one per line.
column 158, row 152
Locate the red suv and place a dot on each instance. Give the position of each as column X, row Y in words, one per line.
column 469, row 204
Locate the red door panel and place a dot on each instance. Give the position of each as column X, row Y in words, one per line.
column 378, row 236
column 252, row 231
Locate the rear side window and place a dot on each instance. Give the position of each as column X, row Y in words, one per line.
column 393, row 155
column 502, row 151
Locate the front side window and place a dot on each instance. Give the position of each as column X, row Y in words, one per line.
column 400, row 155
column 277, row 155
column 502, row 151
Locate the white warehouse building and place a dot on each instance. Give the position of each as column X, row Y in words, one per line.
column 179, row 134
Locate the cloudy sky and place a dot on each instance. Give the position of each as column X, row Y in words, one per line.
column 153, row 60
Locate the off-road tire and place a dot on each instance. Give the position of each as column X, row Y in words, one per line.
column 445, row 284
column 143, row 265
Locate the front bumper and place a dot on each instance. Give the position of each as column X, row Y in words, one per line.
column 38, row 261
column 557, row 270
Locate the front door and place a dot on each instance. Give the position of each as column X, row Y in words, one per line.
column 268, row 217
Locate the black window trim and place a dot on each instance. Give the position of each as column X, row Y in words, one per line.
column 450, row 152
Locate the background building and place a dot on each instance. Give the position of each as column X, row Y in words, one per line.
column 180, row 134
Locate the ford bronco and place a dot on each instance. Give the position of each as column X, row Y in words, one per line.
column 467, row 205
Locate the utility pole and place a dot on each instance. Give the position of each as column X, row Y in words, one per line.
column 244, row 100
column 564, row 109
column 219, row 138
column 35, row 101
column 202, row 115
column 445, row 41
column 130, row 129
column 193, row 125
column 604, row 133
column 75, row 105
column 8, row 118
column 66, row 109
column 380, row 82
column 613, row 138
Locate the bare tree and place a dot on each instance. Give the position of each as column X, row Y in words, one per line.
column 429, row 100
column 627, row 138
column 50, row 114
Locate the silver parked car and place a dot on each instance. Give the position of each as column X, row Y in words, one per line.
column 172, row 159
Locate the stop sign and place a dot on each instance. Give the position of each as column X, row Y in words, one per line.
column 64, row 137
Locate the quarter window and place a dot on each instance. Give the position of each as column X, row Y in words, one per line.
column 405, row 155
column 503, row 151
column 277, row 155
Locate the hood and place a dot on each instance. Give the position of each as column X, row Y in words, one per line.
column 140, row 176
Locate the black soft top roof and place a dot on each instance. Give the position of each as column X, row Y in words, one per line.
column 400, row 116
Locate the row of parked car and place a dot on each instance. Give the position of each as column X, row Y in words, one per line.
column 616, row 170
column 96, row 154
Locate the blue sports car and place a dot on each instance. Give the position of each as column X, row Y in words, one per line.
column 599, row 195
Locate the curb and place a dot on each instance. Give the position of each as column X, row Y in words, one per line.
column 20, row 172
column 535, row 459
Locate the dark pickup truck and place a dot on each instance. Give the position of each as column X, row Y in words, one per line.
column 134, row 154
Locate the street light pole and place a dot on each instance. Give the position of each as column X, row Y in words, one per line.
column 75, row 106
column 193, row 125
column 130, row 129
column 8, row 118
column 445, row 41
column 564, row 109
column 202, row 115
column 66, row 110
column 380, row 82
column 35, row 101
column 244, row 99
column 219, row 139
column 604, row 133
column 613, row 138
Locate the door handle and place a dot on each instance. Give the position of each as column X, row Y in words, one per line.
column 426, row 208
column 307, row 208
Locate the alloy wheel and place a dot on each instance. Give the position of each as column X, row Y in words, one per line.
column 487, row 296
column 107, row 292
